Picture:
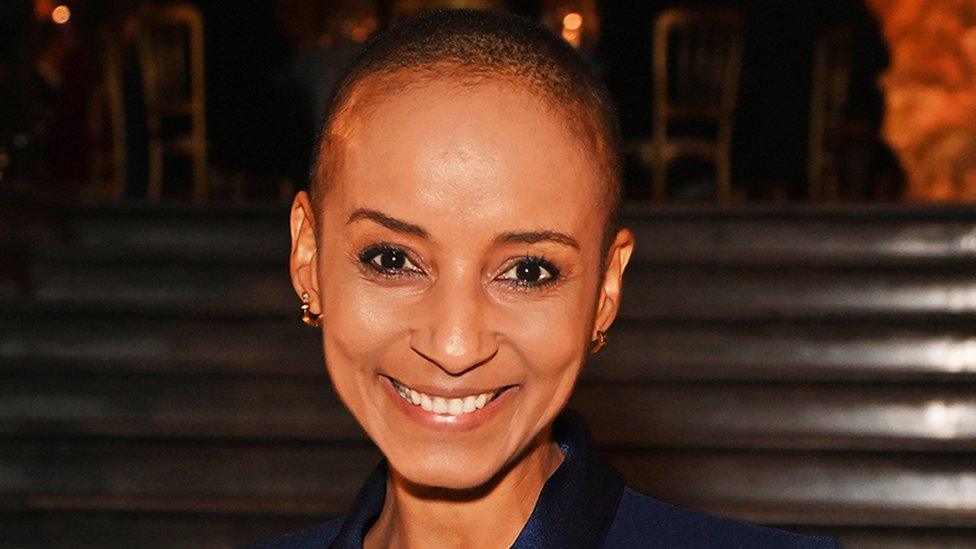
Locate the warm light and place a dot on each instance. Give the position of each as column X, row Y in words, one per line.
column 43, row 9
column 362, row 31
column 61, row 15
column 572, row 36
column 572, row 21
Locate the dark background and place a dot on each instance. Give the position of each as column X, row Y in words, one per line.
column 261, row 118
column 801, row 364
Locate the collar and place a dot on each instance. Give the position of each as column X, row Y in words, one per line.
column 576, row 507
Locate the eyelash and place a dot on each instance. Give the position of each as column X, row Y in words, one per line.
column 368, row 255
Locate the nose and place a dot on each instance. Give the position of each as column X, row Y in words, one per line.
column 453, row 332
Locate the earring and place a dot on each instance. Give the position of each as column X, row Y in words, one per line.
column 599, row 342
column 308, row 317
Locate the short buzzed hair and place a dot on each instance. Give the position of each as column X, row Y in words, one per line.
column 474, row 46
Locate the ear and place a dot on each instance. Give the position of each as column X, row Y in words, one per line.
column 611, row 291
column 302, row 262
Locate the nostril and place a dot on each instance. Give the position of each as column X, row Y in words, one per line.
column 459, row 364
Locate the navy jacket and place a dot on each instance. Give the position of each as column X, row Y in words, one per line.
column 584, row 504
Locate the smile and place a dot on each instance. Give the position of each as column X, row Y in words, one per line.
column 457, row 406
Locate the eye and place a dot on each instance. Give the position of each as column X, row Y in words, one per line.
column 531, row 272
column 389, row 260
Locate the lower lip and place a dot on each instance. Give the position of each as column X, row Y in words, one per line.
column 447, row 422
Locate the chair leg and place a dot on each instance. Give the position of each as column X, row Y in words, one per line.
column 659, row 174
column 155, row 185
column 723, row 179
column 199, row 178
column 660, row 194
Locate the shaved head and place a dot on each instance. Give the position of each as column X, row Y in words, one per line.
column 469, row 48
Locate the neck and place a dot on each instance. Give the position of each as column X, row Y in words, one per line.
column 489, row 516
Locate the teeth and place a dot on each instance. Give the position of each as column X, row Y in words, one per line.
column 441, row 405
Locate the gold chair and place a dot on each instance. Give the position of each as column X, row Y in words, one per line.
column 171, row 60
column 835, row 141
column 697, row 64
column 107, row 130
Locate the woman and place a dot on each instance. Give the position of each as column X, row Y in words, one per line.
column 459, row 252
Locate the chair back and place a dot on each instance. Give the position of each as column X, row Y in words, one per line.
column 107, row 124
column 831, row 81
column 697, row 66
column 697, row 63
column 171, row 45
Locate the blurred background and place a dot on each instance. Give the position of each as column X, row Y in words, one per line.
column 797, row 345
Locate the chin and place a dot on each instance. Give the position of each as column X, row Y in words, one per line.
column 446, row 471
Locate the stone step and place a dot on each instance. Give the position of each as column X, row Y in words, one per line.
column 810, row 235
column 111, row 530
column 314, row 480
column 60, row 340
column 792, row 416
column 107, row 530
column 797, row 293
column 673, row 293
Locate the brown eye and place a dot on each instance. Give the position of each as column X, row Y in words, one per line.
column 388, row 259
column 531, row 272
column 392, row 259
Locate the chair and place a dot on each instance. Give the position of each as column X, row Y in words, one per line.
column 697, row 64
column 171, row 60
column 107, row 129
column 836, row 143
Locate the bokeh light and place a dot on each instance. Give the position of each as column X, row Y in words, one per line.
column 61, row 14
column 572, row 21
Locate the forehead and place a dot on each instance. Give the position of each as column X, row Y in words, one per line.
column 468, row 153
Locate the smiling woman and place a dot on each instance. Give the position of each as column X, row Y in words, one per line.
column 460, row 254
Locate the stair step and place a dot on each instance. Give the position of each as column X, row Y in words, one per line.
column 810, row 367
column 902, row 350
column 828, row 489
column 802, row 240
column 863, row 234
column 181, row 477
column 201, row 287
column 230, row 230
column 127, row 530
column 682, row 414
column 796, row 293
column 897, row 537
column 107, row 530
column 314, row 480
column 660, row 293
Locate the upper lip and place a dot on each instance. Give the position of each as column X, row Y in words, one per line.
column 447, row 392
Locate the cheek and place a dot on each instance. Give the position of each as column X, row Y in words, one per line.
column 549, row 336
column 360, row 321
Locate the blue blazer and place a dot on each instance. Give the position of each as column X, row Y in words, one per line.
column 584, row 504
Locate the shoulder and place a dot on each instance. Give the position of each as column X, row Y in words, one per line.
column 643, row 521
column 317, row 536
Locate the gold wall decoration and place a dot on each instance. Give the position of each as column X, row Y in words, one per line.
column 930, row 95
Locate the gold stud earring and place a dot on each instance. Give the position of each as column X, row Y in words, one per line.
column 599, row 342
column 308, row 317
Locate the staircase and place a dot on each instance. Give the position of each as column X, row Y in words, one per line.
column 813, row 369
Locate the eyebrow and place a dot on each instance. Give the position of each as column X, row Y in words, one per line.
column 400, row 226
column 537, row 236
column 389, row 222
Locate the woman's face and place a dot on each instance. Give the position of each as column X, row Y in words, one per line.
column 457, row 272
